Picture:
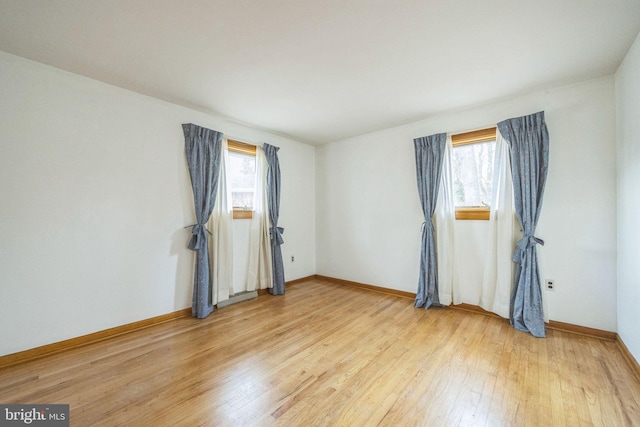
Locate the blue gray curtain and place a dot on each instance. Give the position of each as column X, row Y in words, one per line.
column 203, row 148
column 429, row 155
column 273, row 196
column 528, row 140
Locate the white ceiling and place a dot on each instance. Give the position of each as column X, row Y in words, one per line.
column 325, row 70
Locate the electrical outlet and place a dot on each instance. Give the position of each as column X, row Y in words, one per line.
column 293, row 258
column 550, row 284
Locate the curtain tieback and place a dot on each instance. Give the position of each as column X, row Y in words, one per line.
column 276, row 233
column 426, row 224
column 197, row 236
column 528, row 241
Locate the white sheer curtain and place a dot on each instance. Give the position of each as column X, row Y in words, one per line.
column 259, row 275
column 498, row 266
column 444, row 222
column 221, row 237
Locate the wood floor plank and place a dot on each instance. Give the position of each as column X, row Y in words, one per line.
column 334, row 355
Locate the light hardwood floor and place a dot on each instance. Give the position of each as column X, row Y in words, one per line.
column 327, row 354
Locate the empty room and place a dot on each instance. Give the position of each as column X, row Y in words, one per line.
column 297, row 213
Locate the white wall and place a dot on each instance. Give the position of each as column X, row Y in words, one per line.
column 369, row 217
column 628, row 115
column 95, row 194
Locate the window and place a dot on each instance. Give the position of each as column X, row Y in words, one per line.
column 242, row 178
column 472, row 164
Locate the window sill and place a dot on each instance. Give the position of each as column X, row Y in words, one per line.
column 242, row 214
column 481, row 214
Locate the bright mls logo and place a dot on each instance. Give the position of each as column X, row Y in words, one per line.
column 34, row 415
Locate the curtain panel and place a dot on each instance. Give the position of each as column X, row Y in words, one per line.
column 497, row 280
column 203, row 148
column 429, row 152
column 221, row 237
column 444, row 221
column 259, row 274
column 273, row 196
column 528, row 140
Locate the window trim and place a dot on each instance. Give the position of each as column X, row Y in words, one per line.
column 242, row 148
column 467, row 138
column 474, row 137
